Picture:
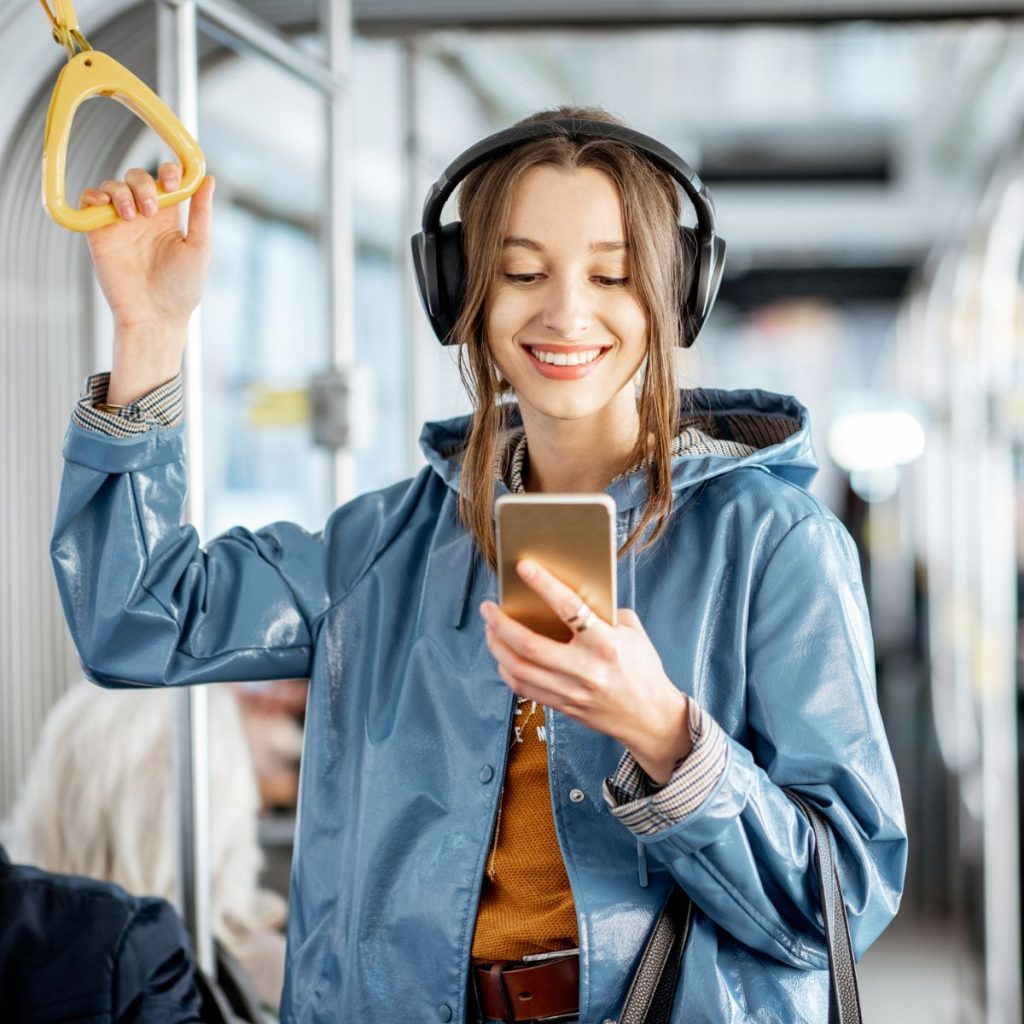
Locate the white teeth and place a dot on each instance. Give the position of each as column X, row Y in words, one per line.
column 566, row 359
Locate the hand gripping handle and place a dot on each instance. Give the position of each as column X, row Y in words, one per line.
column 92, row 73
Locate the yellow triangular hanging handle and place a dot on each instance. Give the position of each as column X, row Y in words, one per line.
column 91, row 73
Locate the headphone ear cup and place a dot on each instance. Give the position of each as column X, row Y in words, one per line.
column 452, row 277
column 689, row 249
column 702, row 276
column 717, row 268
column 438, row 268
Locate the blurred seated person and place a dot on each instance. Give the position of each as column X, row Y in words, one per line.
column 74, row 948
column 98, row 801
column 272, row 712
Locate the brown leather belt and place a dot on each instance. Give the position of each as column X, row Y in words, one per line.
column 517, row 990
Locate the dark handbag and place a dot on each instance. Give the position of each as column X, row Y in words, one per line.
column 650, row 996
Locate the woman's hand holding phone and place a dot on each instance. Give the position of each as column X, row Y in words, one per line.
column 608, row 678
column 151, row 274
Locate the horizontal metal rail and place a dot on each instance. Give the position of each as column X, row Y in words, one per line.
column 393, row 17
column 231, row 24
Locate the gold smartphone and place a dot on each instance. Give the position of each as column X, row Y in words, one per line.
column 573, row 537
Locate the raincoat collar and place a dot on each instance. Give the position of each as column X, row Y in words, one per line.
column 776, row 425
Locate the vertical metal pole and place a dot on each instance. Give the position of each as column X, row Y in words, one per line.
column 418, row 369
column 421, row 353
column 336, row 18
column 997, row 567
column 177, row 84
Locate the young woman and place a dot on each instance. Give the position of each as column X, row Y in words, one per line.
column 474, row 794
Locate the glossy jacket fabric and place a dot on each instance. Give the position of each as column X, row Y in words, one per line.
column 753, row 599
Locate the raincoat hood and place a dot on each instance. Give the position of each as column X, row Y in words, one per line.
column 776, row 426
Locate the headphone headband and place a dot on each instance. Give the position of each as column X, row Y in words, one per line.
column 502, row 142
column 437, row 250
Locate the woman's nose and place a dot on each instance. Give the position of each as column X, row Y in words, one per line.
column 566, row 309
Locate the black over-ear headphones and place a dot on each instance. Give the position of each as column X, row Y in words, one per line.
column 437, row 250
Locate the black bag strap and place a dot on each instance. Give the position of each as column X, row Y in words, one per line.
column 649, row 1000
column 651, row 993
column 843, row 995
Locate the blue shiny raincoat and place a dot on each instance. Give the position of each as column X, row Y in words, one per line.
column 753, row 599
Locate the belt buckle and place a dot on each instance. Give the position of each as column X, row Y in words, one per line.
column 478, row 1006
column 510, row 1013
column 507, row 1005
column 505, row 998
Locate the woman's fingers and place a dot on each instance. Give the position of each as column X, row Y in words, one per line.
column 565, row 603
column 121, row 196
column 143, row 190
column 93, row 197
column 528, row 644
column 521, row 669
column 169, row 176
column 137, row 193
column 200, row 213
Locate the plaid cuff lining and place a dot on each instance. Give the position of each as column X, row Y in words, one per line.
column 161, row 407
column 646, row 808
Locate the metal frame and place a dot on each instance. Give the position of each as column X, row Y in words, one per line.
column 336, row 21
column 232, row 25
column 395, row 17
column 178, row 24
column 961, row 356
column 998, row 341
column 178, row 81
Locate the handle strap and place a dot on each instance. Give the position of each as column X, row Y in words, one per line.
column 649, row 1000
column 843, row 995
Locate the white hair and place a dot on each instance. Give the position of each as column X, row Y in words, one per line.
column 98, row 801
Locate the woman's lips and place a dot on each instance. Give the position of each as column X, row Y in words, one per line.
column 565, row 372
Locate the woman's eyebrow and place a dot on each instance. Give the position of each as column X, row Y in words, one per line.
column 529, row 243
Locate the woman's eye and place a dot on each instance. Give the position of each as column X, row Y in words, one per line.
column 602, row 279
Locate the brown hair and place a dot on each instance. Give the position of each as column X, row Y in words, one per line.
column 650, row 205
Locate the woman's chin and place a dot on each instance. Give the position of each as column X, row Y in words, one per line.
column 564, row 404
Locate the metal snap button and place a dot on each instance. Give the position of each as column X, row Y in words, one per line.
column 576, row 795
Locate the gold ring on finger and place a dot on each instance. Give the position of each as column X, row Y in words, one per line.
column 582, row 619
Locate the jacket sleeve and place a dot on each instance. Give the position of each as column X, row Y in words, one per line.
column 646, row 807
column 154, row 977
column 745, row 855
column 147, row 605
column 162, row 407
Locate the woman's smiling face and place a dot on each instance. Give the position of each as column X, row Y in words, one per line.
column 562, row 291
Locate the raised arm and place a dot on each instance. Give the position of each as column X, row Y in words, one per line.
column 144, row 602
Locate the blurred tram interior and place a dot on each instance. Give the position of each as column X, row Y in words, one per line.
column 867, row 165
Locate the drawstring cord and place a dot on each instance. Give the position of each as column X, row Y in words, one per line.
column 468, row 582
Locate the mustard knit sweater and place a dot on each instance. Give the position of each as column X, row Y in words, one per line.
column 526, row 903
